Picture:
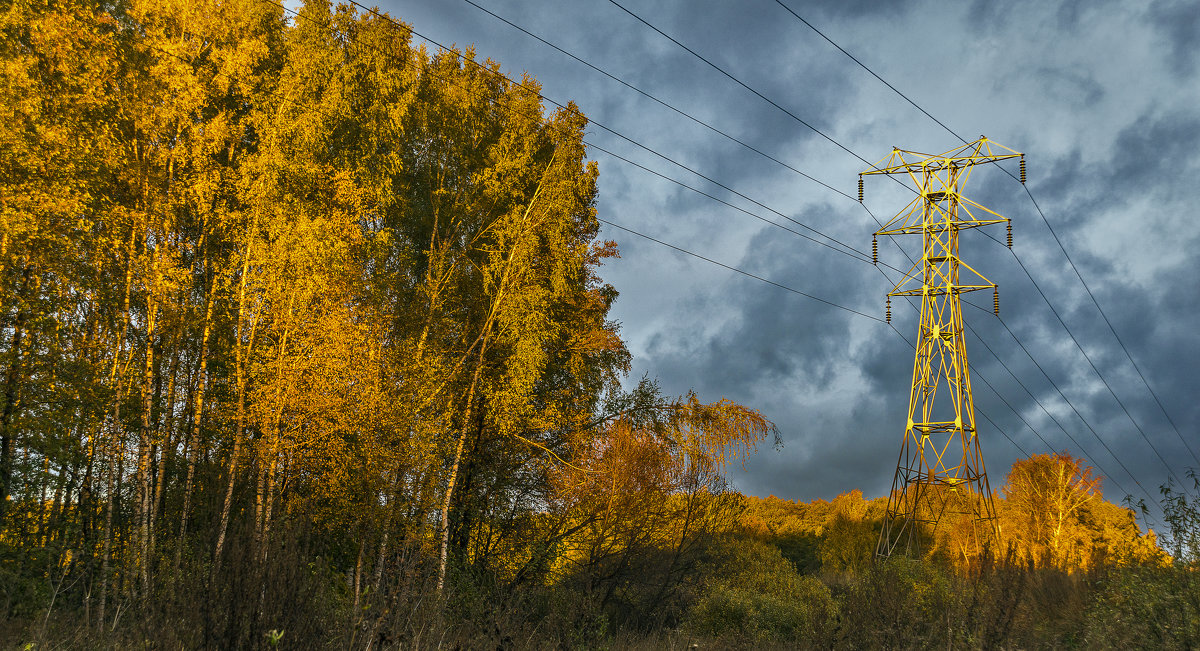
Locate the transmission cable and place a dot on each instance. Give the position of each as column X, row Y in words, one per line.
column 653, row 98
column 852, row 251
column 388, row 18
column 1097, row 371
column 712, row 197
column 1077, row 444
column 1061, row 247
column 1107, row 322
column 742, row 84
column 686, row 115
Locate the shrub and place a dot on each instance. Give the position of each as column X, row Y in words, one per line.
column 755, row 594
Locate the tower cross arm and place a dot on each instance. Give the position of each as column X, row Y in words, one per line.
column 902, row 161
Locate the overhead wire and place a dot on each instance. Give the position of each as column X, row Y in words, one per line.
column 674, row 162
column 1055, row 420
column 1107, row 322
column 819, row 132
column 1097, row 372
column 702, row 193
column 860, row 158
column 1079, row 446
column 623, row 228
column 1061, row 247
column 689, row 117
column 849, row 250
column 768, row 100
column 656, row 99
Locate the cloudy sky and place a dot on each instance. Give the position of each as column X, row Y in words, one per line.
column 1102, row 97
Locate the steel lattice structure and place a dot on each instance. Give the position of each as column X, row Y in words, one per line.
column 940, row 473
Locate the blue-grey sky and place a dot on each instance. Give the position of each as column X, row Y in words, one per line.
column 1101, row 96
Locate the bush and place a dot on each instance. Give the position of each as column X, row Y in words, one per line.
column 902, row 603
column 755, row 594
column 1146, row 607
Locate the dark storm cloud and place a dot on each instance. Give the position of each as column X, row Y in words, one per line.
column 779, row 347
column 991, row 16
column 1157, row 153
column 779, row 334
column 1179, row 21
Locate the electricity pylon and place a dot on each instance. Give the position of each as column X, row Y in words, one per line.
column 940, row 474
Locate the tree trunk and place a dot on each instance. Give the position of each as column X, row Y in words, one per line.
column 444, row 533
column 117, row 377
column 242, row 350
column 12, row 382
column 192, row 445
column 145, row 444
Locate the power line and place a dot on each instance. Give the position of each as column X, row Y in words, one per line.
column 1111, row 329
column 1056, row 421
column 742, row 84
column 1053, row 418
column 850, row 250
column 689, row 117
column 997, row 428
column 652, row 151
column 740, row 271
column 1096, row 370
column 714, row 198
column 805, row 123
column 1061, row 247
column 661, row 102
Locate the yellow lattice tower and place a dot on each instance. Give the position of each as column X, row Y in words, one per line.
column 940, row 475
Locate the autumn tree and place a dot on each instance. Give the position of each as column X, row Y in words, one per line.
column 849, row 535
column 1044, row 499
column 640, row 502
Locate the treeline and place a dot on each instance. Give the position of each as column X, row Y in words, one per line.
column 1070, row 569
column 1051, row 513
column 302, row 331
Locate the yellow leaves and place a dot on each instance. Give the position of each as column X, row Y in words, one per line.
column 717, row 434
column 1054, row 515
